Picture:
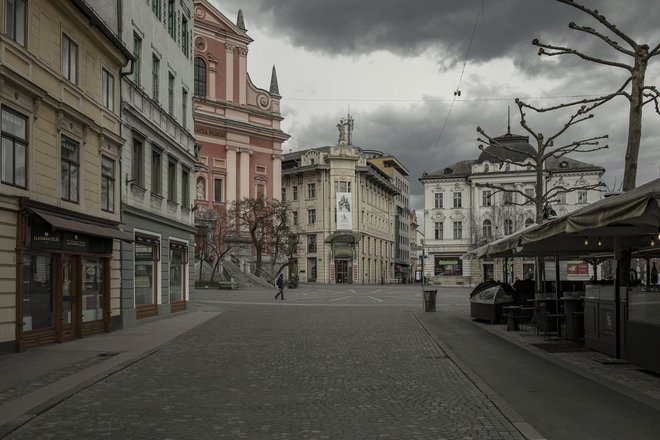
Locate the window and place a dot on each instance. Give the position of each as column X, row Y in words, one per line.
column 70, row 169
column 582, row 197
column 69, row 59
column 107, row 184
column 185, row 188
column 561, row 197
column 529, row 192
column 342, row 186
column 486, row 199
column 108, row 89
column 458, row 230
column 199, row 83
column 311, row 190
column 439, row 231
column 170, row 94
column 137, row 54
column 13, row 160
column 507, row 197
column 156, row 7
column 261, row 191
column 137, row 168
column 185, row 37
column 217, row 190
column 15, row 20
column 156, row 172
column 438, row 200
column 311, row 216
column 529, row 222
column 171, row 19
column 508, row 226
column 294, row 220
column 487, row 229
column 284, row 194
column 146, row 257
column 295, row 193
column 458, row 199
column 171, row 180
column 155, row 77
column 447, row 266
column 184, row 107
column 178, row 263
column 311, row 243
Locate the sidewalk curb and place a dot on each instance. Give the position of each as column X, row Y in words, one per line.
column 525, row 429
column 105, row 370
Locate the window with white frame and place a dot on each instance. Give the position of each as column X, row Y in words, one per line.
column 69, row 59
column 13, row 157
column 107, row 184
column 487, row 229
column 311, row 216
column 217, row 190
column 155, row 77
column 185, row 187
column 137, row 54
column 156, row 171
column 458, row 199
column 15, row 20
column 582, row 196
column 561, row 198
column 108, row 89
column 508, row 226
column 69, row 169
column 171, row 180
column 458, row 230
column 311, row 190
column 438, row 200
column 486, row 199
column 530, row 193
column 438, row 231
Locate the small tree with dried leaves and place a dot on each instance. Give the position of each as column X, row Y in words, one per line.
column 639, row 94
column 214, row 239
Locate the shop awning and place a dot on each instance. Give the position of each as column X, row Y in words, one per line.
column 630, row 219
column 68, row 224
column 344, row 237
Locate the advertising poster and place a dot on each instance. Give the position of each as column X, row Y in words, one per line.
column 344, row 211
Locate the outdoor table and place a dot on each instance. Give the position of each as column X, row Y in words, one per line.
column 544, row 308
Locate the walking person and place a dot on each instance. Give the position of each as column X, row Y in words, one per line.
column 280, row 286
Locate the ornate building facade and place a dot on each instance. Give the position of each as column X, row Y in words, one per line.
column 344, row 210
column 237, row 125
column 459, row 215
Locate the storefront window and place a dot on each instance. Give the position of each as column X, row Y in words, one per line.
column 448, row 266
column 144, row 274
column 92, row 290
column 176, row 274
column 38, row 292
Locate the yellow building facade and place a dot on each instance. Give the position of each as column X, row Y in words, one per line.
column 60, row 70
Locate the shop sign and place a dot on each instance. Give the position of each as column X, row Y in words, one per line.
column 46, row 240
column 75, row 242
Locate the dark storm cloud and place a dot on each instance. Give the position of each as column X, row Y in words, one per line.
column 407, row 28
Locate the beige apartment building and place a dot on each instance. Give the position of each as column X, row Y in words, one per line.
column 343, row 209
column 60, row 68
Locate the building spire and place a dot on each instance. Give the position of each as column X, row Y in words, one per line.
column 274, row 87
column 508, row 120
column 240, row 22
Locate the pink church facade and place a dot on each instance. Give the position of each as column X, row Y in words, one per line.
column 237, row 125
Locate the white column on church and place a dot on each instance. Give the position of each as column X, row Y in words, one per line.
column 245, row 173
column 277, row 176
column 229, row 71
column 212, row 77
column 242, row 75
column 232, row 176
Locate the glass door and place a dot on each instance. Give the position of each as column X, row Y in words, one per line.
column 92, row 290
column 341, row 272
column 69, row 303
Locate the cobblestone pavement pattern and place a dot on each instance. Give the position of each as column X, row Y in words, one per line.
column 284, row 372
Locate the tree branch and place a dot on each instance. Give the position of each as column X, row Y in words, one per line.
column 606, row 39
column 560, row 50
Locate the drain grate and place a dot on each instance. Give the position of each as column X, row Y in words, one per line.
column 107, row 354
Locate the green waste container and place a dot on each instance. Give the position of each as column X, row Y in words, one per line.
column 429, row 300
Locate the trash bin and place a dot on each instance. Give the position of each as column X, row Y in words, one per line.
column 429, row 300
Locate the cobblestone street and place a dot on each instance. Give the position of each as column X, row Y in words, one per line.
column 321, row 365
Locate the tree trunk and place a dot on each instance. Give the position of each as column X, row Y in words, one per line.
column 635, row 121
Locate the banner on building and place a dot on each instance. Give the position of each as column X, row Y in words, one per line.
column 344, row 211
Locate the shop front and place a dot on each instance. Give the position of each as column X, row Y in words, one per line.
column 343, row 263
column 63, row 287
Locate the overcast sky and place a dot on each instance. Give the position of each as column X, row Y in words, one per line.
column 397, row 63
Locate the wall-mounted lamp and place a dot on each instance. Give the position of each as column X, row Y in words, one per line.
column 586, row 241
column 599, row 242
column 129, row 181
column 652, row 240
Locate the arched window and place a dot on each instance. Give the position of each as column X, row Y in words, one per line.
column 487, row 229
column 200, row 77
column 508, row 226
column 529, row 222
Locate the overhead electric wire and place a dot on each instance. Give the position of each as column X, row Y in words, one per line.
column 433, row 99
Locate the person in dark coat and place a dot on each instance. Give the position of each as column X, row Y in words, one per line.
column 280, row 286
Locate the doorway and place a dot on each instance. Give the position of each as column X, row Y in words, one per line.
column 342, row 272
column 69, row 309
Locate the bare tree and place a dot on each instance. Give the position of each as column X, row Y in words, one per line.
column 545, row 148
column 284, row 239
column 268, row 225
column 639, row 94
column 214, row 240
